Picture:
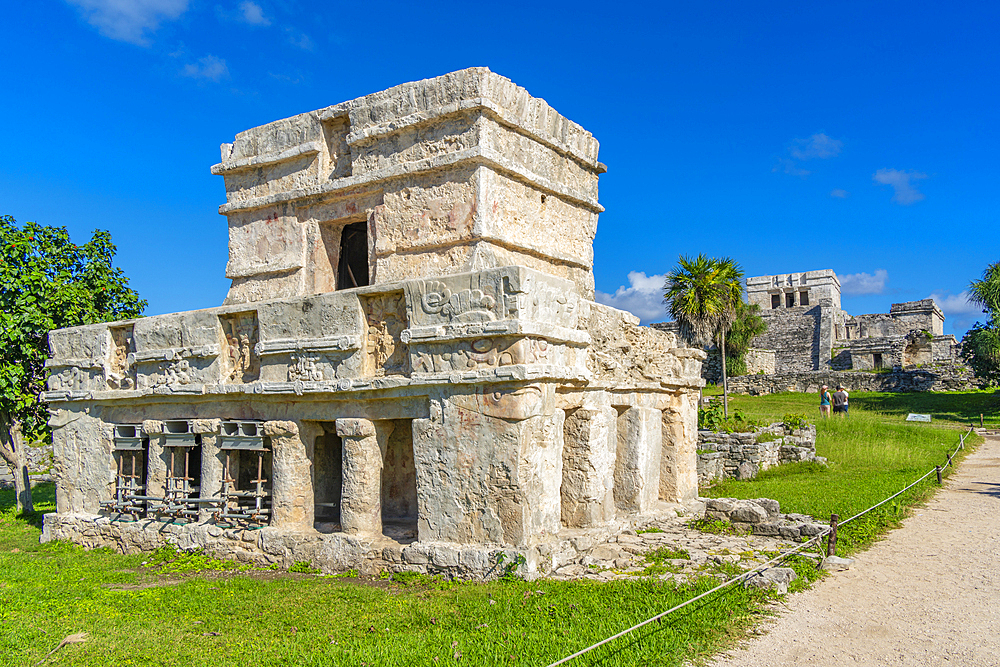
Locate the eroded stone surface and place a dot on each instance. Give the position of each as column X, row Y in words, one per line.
column 409, row 371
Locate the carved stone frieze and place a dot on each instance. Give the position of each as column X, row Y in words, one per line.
column 305, row 367
column 515, row 404
column 240, row 357
column 72, row 378
column 481, row 353
column 469, row 305
column 121, row 368
column 385, row 317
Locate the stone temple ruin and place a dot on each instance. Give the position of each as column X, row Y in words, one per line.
column 809, row 331
column 808, row 335
column 409, row 371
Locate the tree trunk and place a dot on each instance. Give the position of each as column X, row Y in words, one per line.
column 12, row 452
column 725, row 382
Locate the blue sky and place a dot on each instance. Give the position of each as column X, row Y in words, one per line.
column 854, row 136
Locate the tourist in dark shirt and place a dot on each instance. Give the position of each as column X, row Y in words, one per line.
column 840, row 400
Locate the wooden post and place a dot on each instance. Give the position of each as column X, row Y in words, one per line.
column 831, row 543
column 981, row 422
column 938, row 469
column 949, row 459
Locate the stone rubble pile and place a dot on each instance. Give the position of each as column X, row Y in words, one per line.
column 763, row 517
column 632, row 553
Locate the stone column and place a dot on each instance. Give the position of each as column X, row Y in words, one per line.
column 291, row 488
column 211, row 463
column 679, row 459
column 156, row 466
column 589, row 450
column 637, row 470
column 361, row 500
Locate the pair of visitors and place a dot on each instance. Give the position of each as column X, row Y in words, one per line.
column 824, row 401
column 840, row 400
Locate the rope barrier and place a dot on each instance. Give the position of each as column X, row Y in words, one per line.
column 746, row 575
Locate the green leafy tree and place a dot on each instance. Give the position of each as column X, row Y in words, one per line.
column 702, row 295
column 747, row 325
column 981, row 345
column 46, row 283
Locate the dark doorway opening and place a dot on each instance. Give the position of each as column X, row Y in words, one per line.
column 877, row 360
column 328, row 479
column 790, row 300
column 352, row 270
column 775, row 301
column 399, row 485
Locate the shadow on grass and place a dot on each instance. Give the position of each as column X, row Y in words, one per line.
column 43, row 497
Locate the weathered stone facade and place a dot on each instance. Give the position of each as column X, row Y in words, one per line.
column 758, row 361
column 811, row 336
column 409, row 370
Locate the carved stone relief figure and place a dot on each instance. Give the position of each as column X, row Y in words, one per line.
column 482, row 353
column 385, row 315
column 239, row 355
column 304, row 367
column 176, row 372
column 69, row 379
column 470, row 305
column 121, row 374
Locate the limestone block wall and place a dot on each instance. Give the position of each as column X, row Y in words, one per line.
column 757, row 361
column 935, row 377
column 742, row 455
column 800, row 334
column 476, row 409
column 446, row 175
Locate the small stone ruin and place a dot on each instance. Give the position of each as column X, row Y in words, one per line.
column 409, row 370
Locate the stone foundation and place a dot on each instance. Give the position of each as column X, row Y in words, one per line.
column 934, row 377
column 743, row 455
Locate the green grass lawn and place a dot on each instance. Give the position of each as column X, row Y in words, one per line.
column 147, row 615
column 873, row 453
column 193, row 610
column 956, row 408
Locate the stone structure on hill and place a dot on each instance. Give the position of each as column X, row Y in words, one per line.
column 409, row 371
column 809, row 331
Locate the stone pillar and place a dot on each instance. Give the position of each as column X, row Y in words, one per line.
column 637, row 470
column 156, row 466
column 211, row 463
column 361, row 500
column 589, row 450
column 489, row 465
column 291, row 488
column 679, row 459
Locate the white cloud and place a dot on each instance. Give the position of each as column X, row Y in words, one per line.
column 956, row 305
column 129, row 20
column 901, row 182
column 790, row 167
column 864, row 283
column 210, row 67
column 818, row 146
column 253, row 14
column 643, row 297
column 840, row 194
column 299, row 39
column 957, row 308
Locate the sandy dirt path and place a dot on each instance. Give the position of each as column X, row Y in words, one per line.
column 928, row 594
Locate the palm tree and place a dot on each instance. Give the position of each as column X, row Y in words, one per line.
column 702, row 295
column 981, row 344
column 747, row 325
